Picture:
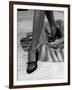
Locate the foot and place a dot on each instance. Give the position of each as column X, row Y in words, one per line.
column 58, row 33
column 55, row 34
column 32, row 66
column 32, row 63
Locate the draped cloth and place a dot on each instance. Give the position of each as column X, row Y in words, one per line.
column 55, row 49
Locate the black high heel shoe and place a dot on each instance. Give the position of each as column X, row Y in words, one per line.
column 32, row 66
column 58, row 33
column 52, row 38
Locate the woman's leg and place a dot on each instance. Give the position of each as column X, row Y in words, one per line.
column 53, row 26
column 38, row 22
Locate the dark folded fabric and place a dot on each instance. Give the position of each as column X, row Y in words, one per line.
column 25, row 39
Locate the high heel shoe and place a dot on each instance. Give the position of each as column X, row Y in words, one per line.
column 58, row 33
column 32, row 65
column 52, row 38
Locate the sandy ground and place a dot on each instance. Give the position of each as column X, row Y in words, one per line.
column 46, row 70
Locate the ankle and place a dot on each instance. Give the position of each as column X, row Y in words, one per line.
column 32, row 48
column 53, row 30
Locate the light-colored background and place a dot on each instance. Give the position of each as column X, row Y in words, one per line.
column 4, row 44
column 46, row 70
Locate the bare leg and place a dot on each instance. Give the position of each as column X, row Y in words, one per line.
column 38, row 22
